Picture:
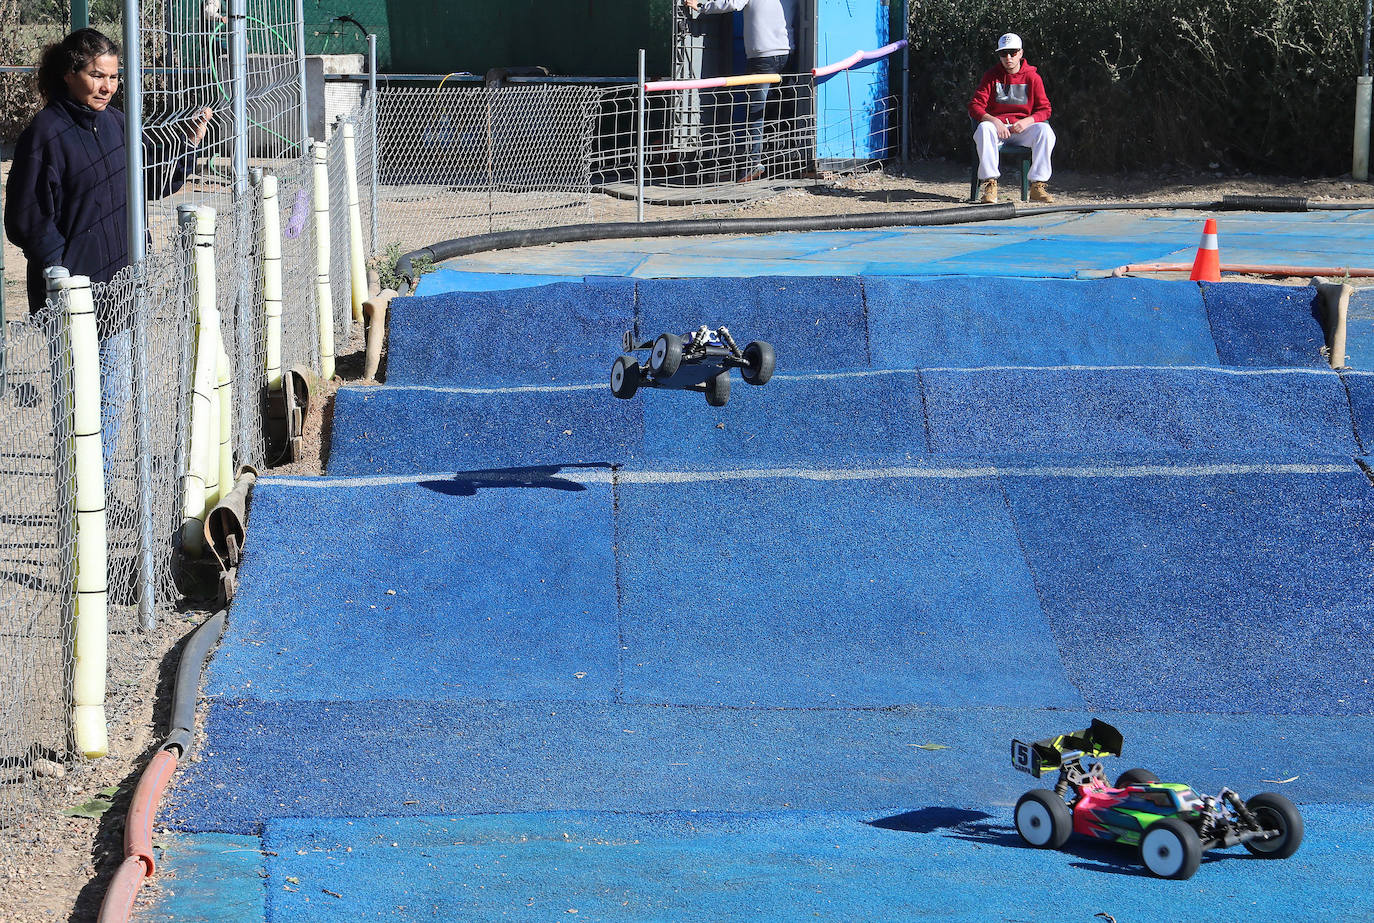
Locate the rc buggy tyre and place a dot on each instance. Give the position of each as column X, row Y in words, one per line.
column 758, row 363
column 1043, row 819
column 625, row 377
column 718, row 390
column 1275, row 812
column 1135, row 777
column 1171, row 849
column 666, row 357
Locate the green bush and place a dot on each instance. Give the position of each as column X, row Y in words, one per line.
column 1256, row 85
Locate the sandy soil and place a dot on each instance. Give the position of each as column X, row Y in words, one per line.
column 56, row 867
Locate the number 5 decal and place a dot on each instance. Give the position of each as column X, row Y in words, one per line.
column 1021, row 756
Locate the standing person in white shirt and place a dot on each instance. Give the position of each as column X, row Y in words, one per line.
column 769, row 40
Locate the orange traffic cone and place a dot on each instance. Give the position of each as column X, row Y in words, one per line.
column 1207, row 264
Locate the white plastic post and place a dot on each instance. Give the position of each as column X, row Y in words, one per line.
column 641, row 113
column 203, row 402
column 1364, row 91
column 90, row 628
column 357, row 269
column 324, row 299
column 271, row 278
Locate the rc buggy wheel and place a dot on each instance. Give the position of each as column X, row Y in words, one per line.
column 758, row 363
column 666, row 357
column 1277, row 813
column 1043, row 819
column 1135, row 777
column 1171, row 849
column 718, row 390
column 625, row 377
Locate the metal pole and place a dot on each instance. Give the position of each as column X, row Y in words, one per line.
column 243, row 228
column 81, row 16
column 639, row 145
column 1364, row 93
column 138, row 251
column 372, row 110
column 300, row 74
column 906, row 88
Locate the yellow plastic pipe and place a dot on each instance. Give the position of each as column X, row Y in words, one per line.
column 203, row 403
column 324, row 299
column 224, row 460
column 271, row 278
column 89, row 633
column 357, row 268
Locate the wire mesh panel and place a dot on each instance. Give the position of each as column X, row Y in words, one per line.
column 469, row 160
column 300, row 330
column 715, row 149
column 705, row 150
column 37, row 568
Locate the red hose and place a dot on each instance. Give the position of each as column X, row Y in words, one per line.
column 119, row 899
column 138, row 862
column 1253, row 270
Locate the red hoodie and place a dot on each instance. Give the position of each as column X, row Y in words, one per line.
column 1010, row 97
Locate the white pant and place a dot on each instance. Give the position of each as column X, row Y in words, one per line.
column 1039, row 138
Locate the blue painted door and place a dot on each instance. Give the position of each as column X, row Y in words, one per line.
column 855, row 115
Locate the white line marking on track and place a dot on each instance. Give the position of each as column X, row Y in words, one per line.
column 869, row 373
column 538, row 473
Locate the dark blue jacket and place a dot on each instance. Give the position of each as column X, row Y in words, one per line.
column 66, row 203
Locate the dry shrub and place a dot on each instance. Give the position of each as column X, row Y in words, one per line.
column 1259, row 85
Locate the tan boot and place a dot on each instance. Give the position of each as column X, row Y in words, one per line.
column 987, row 192
column 1038, row 193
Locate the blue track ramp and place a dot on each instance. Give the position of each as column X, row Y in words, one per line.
column 531, row 652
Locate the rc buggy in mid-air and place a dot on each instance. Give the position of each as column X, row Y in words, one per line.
column 1169, row 824
column 700, row 361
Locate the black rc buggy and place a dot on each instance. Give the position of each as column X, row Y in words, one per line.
column 700, row 361
column 1170, row 825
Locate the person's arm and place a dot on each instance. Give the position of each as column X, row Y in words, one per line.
column 33, row 197
column 1039, row 100
column 715, row 6
column 978, row 105
column 162, row 179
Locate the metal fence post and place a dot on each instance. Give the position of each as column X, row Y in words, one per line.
column 300, row 75
column 138, row 251
column 639, row 144
column 371, row 110
column 906, row 89
column 242, row 255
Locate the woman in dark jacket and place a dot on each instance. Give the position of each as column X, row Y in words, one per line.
column 66, row 203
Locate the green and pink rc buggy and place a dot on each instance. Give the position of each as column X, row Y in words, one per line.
column 1169, row 824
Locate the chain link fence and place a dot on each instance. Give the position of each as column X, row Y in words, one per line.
column 459, row 161
column 37, row 568
column 146, row 328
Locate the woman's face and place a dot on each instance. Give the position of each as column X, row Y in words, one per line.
column 96, row 84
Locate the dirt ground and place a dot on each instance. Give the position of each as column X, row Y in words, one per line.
column 57, row 867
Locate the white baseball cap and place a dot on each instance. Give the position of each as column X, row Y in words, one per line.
column 1010, row 40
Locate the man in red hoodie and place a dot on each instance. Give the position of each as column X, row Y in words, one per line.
column 1010, row 107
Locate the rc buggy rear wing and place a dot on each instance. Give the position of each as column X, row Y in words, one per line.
column 1053, row 752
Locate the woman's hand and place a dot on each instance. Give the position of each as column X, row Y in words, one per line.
column 200, row 126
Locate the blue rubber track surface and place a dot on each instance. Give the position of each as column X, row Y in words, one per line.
column 530, row 651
